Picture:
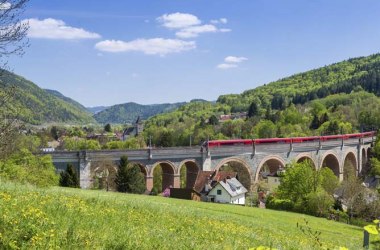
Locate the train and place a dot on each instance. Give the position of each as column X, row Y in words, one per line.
column 246, row 142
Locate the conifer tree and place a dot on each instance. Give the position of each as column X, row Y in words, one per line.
column 129, row 179
column 69, row 177
column 253, row 110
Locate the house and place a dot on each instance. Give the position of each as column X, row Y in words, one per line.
column 207, row 179
column 136, row 130
column 272, row 179
column 229, row 190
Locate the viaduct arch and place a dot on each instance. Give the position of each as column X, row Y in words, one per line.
column 250, row 161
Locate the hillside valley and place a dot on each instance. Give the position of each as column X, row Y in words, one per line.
column 339, row 97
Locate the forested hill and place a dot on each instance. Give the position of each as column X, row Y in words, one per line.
column 342, row 97
column 36, row 106
column 128, row 112
column 67, row 99
column 342, row 77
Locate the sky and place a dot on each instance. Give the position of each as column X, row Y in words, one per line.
column 165, row 51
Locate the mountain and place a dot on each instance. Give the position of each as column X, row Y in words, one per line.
column 97, row 109
column 66, row 99
column 37, row 106
column 342, row 77
column 338, row 98
column 128, row 112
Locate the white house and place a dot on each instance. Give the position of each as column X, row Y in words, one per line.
column 228, row 191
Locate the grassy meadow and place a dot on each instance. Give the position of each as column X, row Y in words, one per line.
column 63, row 218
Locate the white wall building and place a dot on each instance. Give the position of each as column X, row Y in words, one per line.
column 228, row 191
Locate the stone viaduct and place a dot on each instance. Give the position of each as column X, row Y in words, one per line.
column 253, row 159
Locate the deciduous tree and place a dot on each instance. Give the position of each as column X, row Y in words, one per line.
column 12, row 41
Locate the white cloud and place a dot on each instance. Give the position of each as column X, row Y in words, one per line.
column 227, row 66
column 231, row 62
column 194, row 31
column 57, row 29
column 178, row 20
column 189, row 25
column 235, row 59
column 225, row 30
column 5, row 6
column 223, row 20
column 220, row 20
column 155, row 46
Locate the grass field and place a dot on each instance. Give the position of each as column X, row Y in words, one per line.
column 60, row 218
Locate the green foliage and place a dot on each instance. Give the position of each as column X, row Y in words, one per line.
column 213, row 120
column 80, row 144
column 279, row 204
column 375, row 169
column 30, row 98
column 131, row 143
column 265, row 129
column 253, row 110
column 329, row 182
column 69, row 177
column 298, row 182
column 25, row 167
column 108, row 128
column 129, row 178
column 157, row 179
column 319, row 203
column 308, row 190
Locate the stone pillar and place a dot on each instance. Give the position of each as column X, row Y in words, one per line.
column 340, row 177
column 149, row 183
column 84, row 170
column 177, row 181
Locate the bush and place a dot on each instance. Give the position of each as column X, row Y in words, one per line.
column 279, row 204
column 24, row 167
column 319, row 203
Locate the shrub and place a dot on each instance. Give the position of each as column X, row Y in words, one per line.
column 280, row 204
column 319, row 203
column 24, row 167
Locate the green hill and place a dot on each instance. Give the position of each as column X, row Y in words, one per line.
column 128, row 112
column 62, row 218
column 67, row 99
column 342, row 77
column 342, row 97
column 36, row 106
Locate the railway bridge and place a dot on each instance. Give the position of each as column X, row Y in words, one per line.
column 252, row 160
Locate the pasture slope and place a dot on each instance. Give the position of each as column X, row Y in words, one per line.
column 63, row 218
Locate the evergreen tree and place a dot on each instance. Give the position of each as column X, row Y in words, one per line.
column 69, row 177
column 213, row 120
column 129, row 179
column 136, row 180
column 108, row 128
column 253, row 110
column 121, row 175
column 315, row 122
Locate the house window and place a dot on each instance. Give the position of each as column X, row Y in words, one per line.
column 219, row 192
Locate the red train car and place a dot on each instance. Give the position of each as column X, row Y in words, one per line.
column 243, row 142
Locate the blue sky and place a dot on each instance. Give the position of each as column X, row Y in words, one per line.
column 158, row 51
